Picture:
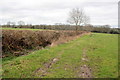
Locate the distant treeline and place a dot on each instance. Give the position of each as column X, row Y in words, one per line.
column 97, row 29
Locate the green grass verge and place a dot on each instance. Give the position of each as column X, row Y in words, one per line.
column 101, row 49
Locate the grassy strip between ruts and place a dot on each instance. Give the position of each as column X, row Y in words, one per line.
column 101, row 50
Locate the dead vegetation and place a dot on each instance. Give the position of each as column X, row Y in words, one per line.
column 17, row 41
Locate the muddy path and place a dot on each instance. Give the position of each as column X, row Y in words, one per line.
column 43, row 71
column 85, row 70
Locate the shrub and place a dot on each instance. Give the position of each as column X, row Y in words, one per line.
column 19, row 40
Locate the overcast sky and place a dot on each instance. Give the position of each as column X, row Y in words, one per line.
column 56, row 11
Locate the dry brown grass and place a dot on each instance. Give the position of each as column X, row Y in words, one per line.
column 19, row 40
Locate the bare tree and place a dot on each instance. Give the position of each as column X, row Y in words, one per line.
column 21, row 23
column 11, row 24
column 78, row 17
column 86, row 20
column 8, row 24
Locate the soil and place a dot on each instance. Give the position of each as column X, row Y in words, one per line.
column 44, row 71
column 85, row 70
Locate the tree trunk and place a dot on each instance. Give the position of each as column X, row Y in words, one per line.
column 76, row 29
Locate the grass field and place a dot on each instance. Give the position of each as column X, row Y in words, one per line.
column 65, row 60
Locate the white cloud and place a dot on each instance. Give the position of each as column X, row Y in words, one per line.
column 56, row 11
